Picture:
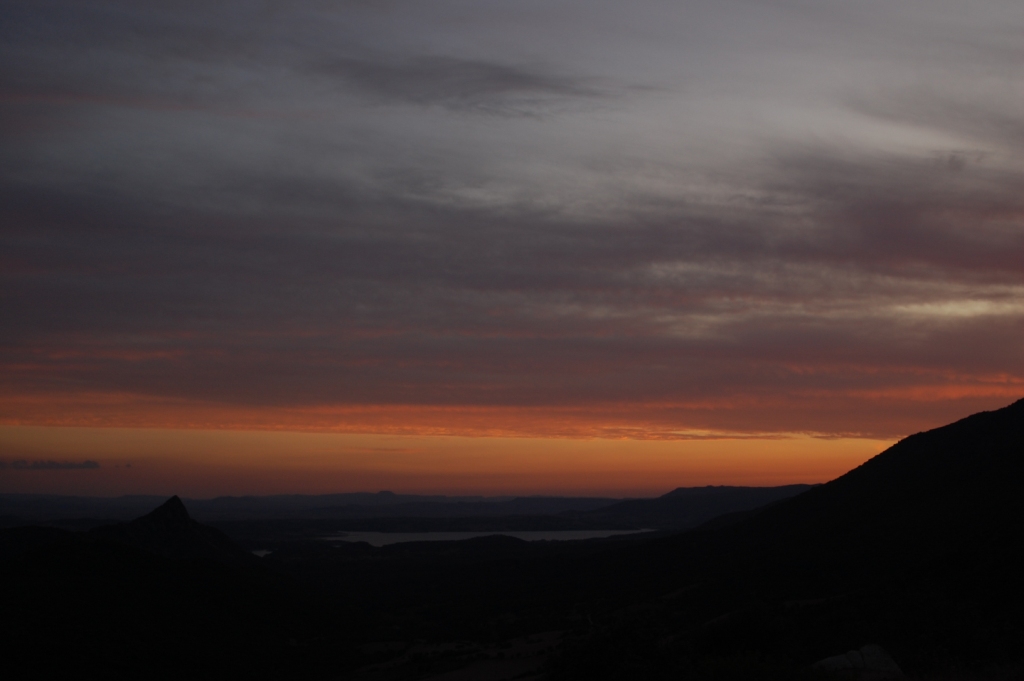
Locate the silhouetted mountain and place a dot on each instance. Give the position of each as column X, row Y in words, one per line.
column 955, row 488
column 168, row 531
column 687, row 507
column 919, row 549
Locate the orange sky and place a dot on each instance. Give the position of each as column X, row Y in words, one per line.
column 161, row 446
column 202, row 463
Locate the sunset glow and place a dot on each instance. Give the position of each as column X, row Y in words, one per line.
column 203, row 463
column 509, row 248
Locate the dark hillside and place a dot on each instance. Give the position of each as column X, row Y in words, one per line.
column 919, row 549
column 950, row 489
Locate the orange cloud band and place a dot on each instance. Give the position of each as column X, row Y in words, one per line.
column 882, row 413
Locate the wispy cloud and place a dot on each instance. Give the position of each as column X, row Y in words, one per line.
column 23, row 465
column 460, row 84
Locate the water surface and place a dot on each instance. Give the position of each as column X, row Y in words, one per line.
column 386, row 538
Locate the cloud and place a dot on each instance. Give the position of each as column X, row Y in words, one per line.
column 22, row 465
column 459, row 84
column 898, row 282
column 673, row 264
column 243, row 63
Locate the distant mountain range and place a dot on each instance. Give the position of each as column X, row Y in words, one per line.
column 681, row 508
column 688, row 507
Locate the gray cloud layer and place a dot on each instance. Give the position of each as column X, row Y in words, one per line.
column 458, row 84
column 792, row 231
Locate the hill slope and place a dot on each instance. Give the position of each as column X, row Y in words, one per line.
column 919, row 549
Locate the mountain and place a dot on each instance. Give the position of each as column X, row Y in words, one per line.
column 169, row 532
column 919, row 549
column 952, row 490
column 687, row 507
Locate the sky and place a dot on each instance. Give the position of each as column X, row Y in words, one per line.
column 501, row 247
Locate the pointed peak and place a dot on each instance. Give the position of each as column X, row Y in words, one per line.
column 172, row 509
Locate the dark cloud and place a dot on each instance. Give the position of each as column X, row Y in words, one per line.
column 22, row 465
column 460, row 84
column 205, row 57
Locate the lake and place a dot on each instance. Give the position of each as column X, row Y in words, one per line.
column 386, row 538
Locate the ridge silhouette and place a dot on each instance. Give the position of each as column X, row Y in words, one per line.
column 954, row 491
column 171, row 513
column 936, row 492
column 920, row 549
column 170, row 532
column 688, row 507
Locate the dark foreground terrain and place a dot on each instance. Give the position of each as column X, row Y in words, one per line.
column 917, row 555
